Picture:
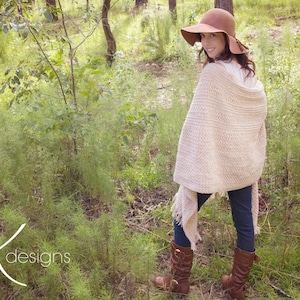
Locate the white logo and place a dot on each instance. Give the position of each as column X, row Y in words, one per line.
column 2, row 246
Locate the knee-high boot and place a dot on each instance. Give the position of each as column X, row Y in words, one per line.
column 181, row 264
column 242, row 264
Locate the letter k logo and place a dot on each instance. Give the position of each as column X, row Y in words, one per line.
column 2, row 246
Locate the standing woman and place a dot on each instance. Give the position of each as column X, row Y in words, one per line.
column 221, row 148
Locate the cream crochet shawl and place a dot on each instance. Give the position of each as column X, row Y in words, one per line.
column 222, row 144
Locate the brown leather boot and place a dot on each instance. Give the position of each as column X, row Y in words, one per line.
column 242, row 264
column 181, row 264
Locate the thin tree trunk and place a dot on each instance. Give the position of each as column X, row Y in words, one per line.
column 173, row 10
column 111, row 43
column 225, row 4
column 51, row 4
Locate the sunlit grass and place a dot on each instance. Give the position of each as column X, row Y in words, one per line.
column 129, row 124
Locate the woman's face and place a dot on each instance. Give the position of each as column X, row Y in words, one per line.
column 213, row 43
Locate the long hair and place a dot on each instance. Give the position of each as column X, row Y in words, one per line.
column 243, row 59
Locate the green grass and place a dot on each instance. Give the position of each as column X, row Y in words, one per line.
column 108, row 206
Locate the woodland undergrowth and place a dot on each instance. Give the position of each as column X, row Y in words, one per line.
column 87, row 151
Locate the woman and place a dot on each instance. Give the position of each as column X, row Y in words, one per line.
column 221, row 148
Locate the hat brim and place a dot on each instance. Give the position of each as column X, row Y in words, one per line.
column 191, row 35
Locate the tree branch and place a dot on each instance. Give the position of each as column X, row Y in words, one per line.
column 71, row 56
column 48, row 61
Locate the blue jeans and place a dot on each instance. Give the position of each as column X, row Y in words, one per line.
column 241, row 210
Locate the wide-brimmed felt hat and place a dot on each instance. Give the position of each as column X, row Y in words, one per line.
column 215, row 20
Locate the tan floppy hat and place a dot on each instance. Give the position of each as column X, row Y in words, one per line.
column 215, row 20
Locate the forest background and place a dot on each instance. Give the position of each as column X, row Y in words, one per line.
column 87, row 150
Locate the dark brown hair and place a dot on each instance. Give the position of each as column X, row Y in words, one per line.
column 243, row 59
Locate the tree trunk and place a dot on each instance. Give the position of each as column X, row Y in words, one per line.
column 173, row 10
column 110, row 40
column 51, row 4
column 225, row 4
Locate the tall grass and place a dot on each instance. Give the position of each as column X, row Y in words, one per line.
column 128, row 123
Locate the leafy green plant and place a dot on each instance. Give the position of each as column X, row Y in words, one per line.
column 79, row 141
column 157, row 34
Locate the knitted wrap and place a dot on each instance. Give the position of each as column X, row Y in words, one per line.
column 222, row 144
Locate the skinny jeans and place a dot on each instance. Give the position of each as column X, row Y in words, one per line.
column 241, row 210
